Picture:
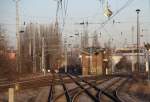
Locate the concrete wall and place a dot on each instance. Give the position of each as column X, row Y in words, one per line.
column 95, row 68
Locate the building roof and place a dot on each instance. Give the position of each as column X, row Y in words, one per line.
column 92, row 50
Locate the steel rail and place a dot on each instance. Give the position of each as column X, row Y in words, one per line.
column 99, row 90
column 65, row 89
column 50, row 96
column 95, row 99
column 119, row 88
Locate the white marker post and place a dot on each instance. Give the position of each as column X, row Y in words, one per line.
column 147, row 64
column 11, row 95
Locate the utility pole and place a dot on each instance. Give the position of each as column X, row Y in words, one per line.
column 65, row 48
column 84, row 37
column 138, row 41
column 17, row 36
column 132, row 29
column 91, row 60
column 34, row 50
column 43, row 55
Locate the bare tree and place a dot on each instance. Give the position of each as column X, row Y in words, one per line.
column 7, row 65
column 40, row 47
column 123, row 65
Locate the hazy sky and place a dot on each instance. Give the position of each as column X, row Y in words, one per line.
column 44, row 11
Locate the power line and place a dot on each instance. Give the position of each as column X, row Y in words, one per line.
column 61, row 11
column 117, row 12
column 65, row 10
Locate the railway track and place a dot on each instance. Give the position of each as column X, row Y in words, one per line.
column 78, row 94
column 51, row 91
column 96, row 91
column 81, row 90
column 111, row 88
column 66, row 95
column 123, row 96
column 72, row 89
column 26, row 84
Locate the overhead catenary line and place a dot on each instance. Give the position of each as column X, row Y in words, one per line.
column 117, row 12
column 61, row 11
column 102, row 2
column 65, row 12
